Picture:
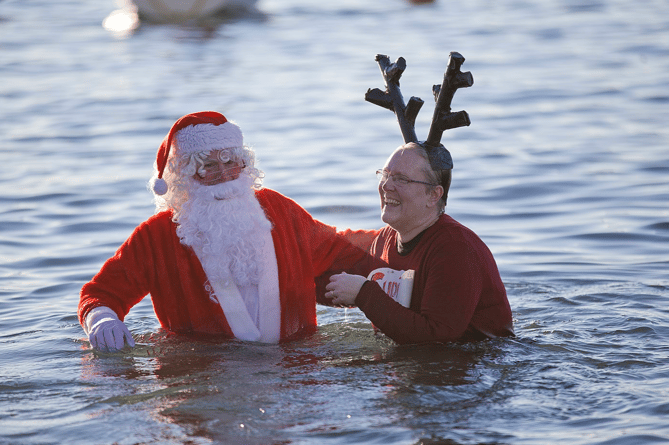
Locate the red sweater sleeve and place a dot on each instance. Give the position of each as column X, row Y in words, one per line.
column 443, row 301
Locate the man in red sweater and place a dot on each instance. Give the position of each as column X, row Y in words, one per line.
column 429, row 279
column 222, row 255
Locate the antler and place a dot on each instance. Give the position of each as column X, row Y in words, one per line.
column 442, row 119
column 392, row 98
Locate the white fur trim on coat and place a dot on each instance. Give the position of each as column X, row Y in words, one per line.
column 236, row 313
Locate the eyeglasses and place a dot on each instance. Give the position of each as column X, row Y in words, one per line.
column 211, row 173
column 398, row 179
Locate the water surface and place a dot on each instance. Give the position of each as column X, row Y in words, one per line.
column 564, row 173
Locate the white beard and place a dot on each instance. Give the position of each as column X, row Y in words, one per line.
column 221, row 223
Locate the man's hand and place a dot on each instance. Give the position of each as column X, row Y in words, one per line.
column 106, row 332
column 344, row 288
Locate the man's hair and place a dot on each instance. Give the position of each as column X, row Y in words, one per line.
column 441, row 177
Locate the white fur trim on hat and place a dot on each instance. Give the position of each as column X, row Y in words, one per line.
column 207, row 137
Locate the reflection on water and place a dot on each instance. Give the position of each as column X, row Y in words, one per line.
column 229, row 391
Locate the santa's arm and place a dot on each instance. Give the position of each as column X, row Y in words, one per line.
column 360, row 238
column 120, row 284
column 351, row 249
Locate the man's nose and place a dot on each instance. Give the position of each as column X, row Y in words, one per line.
column 385, row 183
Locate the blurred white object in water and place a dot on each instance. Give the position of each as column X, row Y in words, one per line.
column 170, row 11
column 121, row 22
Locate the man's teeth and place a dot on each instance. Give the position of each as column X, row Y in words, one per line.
column 392, row 202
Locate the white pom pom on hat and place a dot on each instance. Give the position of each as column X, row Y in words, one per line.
column 160, row 186
column 193, row 133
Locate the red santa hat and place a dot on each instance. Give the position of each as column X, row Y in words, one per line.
column 193, row 133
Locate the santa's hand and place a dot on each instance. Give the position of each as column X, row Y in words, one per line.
column 344, row 288
column 105, row 331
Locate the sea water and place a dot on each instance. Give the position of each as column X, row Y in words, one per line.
column 564, row 173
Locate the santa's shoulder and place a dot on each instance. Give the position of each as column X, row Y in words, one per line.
column 278, row 206
column 158, row 225
column 165, row 215
column 268, row 196
column 160, row 219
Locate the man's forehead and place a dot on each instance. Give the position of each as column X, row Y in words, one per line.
column 405, row 161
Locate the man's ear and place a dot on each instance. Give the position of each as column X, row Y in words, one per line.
column 434, row 195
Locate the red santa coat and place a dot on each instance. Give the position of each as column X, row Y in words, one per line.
column 153, row 261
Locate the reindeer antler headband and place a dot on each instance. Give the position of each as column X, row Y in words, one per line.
column 443, row 118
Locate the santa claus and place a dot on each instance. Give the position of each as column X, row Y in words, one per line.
column 222, row 255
